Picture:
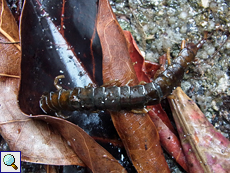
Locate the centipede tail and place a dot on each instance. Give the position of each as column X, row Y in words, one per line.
column 124, row 97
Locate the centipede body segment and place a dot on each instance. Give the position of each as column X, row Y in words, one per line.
column 125, row 97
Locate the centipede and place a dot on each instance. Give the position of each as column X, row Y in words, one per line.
column 116, row 98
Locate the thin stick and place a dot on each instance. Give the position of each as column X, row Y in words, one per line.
column 16, row 42
column 8, row 75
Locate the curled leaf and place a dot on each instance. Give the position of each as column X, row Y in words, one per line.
column 205, row 148
column 169, row 141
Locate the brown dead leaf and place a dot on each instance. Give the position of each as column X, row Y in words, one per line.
column 137, row 131
column 8, row 26
column 93, row 155
column 115, row 55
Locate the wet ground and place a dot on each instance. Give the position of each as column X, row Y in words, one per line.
column 158, row 25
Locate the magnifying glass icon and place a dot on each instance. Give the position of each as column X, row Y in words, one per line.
column 9, row 160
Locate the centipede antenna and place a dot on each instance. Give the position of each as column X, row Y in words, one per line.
column 56, row 80
column 220, row 47
column 203, row 40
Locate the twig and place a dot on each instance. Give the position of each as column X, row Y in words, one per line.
column 16, row 42
column 8, row 75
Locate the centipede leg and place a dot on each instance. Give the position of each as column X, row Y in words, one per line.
column 60, row 115
column 168, row 57
column 129, row 82
column 114, row 82
column 142, row 83
column 162, row 63
column 56, row 80
column 140, row 111
column 91, row 85
column 59, row 87
column 182, row 46
column 218, row 50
